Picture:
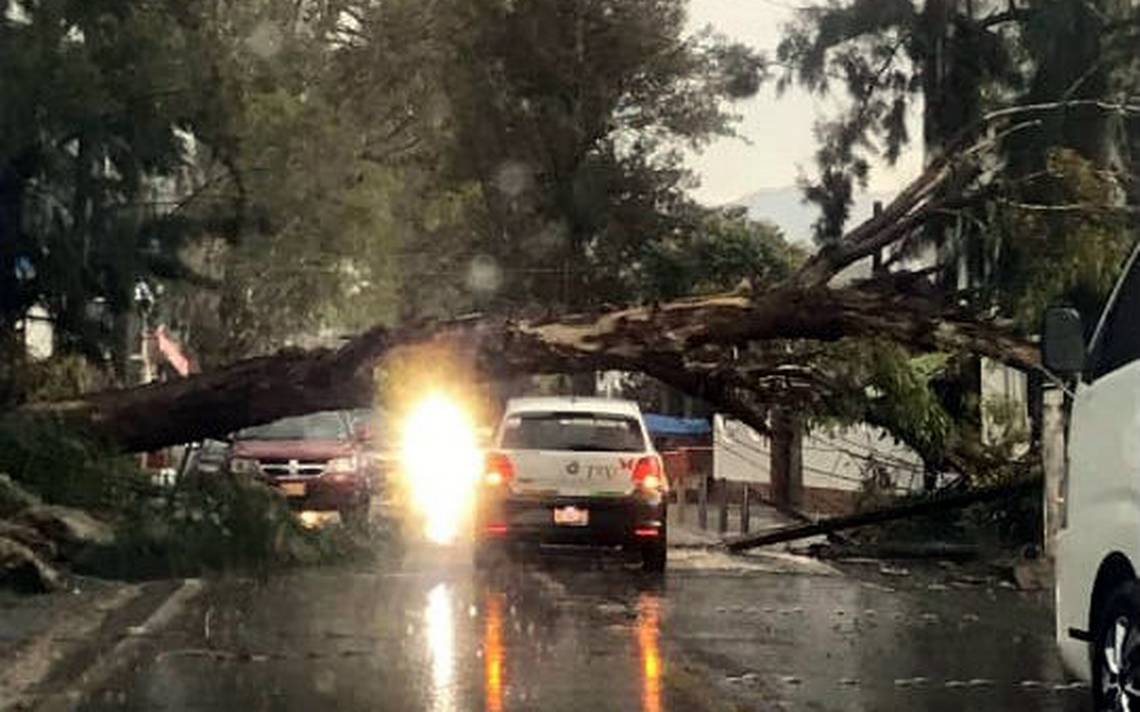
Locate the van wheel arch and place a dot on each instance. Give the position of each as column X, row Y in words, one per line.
column 1115, row 570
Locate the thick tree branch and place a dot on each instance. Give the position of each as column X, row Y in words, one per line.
column 943, row 179
column 655, row 340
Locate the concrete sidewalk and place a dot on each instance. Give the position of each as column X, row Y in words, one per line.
column 688, row 533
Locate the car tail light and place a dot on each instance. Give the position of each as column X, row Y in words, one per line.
column 496, row 529
column 499, row 470
column 649, row 474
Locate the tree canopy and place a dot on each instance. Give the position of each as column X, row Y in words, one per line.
column 281, row 173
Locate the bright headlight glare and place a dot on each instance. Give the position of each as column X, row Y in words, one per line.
column 440, row 459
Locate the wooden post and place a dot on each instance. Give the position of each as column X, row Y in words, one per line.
column 745, row 509
column 682, row 496
column 722, row 519
column 1054, row 464
column 703, row 502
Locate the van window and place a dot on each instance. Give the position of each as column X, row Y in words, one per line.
column 1119, row 342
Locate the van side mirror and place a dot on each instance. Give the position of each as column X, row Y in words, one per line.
column 1063, row 342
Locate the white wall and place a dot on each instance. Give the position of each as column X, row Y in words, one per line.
column 831, row 460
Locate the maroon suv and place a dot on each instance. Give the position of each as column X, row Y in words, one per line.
column 316, row 460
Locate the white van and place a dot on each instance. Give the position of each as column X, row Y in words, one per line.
column 1098, row 546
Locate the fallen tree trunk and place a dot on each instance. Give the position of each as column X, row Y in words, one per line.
column 220, row 402
column 942, row 503
column 666, row 341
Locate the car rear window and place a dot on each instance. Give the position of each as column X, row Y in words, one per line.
column 572, row 431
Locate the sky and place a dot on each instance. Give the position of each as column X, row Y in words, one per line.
column 778, row 144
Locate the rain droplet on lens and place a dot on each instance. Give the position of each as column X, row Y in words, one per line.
column 265, row 40
column 513, row 178
column 484, row 275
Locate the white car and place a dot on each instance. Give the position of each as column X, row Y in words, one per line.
column 1098, row 545
column 572, row 472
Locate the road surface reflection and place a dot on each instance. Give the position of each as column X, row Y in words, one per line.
column 441, row 647
column 648, row 634
column 493, row 654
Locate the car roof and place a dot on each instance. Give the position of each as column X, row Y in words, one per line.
column 573, row 404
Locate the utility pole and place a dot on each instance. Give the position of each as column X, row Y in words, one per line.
column 786, row 463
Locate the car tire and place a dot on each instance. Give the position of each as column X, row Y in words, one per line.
column 653, row 557
column 1116, row 649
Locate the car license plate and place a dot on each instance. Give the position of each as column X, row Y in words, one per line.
column 293, row 489
column 571, row 516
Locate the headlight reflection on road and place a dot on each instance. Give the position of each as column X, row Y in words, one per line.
column 648, row 632
column 441, row 461
column 493, row 654
column 441, row 648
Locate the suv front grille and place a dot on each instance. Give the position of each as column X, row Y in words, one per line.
column 292, row 468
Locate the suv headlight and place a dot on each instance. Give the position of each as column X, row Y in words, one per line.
column 341, row 465
column 243, row 466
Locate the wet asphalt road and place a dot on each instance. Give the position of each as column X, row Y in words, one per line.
column 431, row 633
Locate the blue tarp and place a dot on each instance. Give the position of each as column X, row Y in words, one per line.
column 670, row 425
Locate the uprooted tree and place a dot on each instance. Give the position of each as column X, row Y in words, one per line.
column 737, row 350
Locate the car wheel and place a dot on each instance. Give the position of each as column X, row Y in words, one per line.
column 1116, row 651
column 653, row 557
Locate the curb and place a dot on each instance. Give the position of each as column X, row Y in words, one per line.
column 107, row 662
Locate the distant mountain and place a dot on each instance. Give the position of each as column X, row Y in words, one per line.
column 785, row 208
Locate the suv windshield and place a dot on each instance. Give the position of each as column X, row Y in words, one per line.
column 572, row 431
column 316, row 426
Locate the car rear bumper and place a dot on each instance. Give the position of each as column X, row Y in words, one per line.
column 635, row 521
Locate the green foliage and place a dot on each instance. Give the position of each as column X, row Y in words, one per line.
column 93, row 100
column 1052, row 215
column 221, row 524
column 24, row 380
column 205, row 524
column 882, row 384
column 66, row 468
column 724, row 251
column 962, row 59
column 1067, row 248
column 569, row 116
column 317, row 154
